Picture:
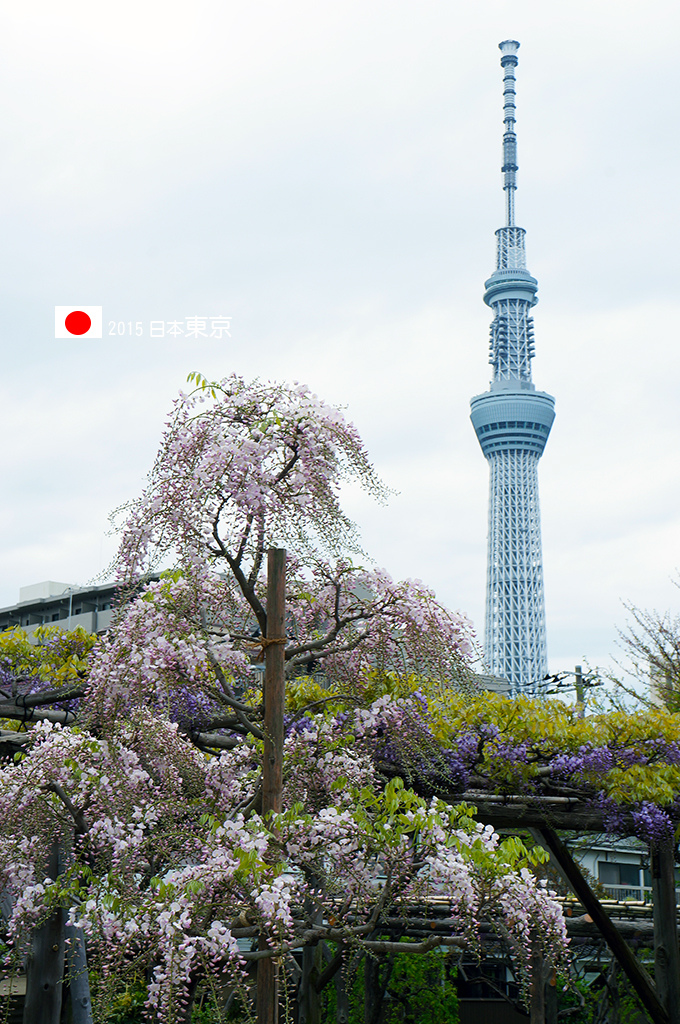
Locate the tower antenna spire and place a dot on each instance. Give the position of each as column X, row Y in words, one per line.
column 512, row 421
column 509, row 62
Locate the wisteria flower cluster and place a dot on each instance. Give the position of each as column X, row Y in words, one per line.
column 158, row 653
column 626, row 765
column 242, row 464
column 246, row 465
column 160, row 866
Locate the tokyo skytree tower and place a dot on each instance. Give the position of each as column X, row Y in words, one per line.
column 512, row 422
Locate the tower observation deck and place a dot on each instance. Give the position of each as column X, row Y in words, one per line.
column 512, row 422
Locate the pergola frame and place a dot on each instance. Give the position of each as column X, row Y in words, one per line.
column 543, row 816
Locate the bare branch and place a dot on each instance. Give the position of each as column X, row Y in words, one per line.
column 214, row 740
column 17, row 712
column 240, row 709
column 76, row 813
column 53, row 696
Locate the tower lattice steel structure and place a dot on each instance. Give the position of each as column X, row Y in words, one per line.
column 512, row 422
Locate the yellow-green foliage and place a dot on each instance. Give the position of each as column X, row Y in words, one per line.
column 520, row 738
column 549, row 728
column 52, row 656
column 549, row 724
column 306, row 692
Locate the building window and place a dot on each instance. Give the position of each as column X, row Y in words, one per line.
column 611, row 873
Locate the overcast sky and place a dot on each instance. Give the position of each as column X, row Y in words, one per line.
column 328, row 174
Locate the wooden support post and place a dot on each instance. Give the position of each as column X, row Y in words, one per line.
column 45, row 967
column 537, row 989
column 613, row 993
column 341, row 996
column 267, row 989
column 308, row 1000
column 371, row 989
column 272, row 763
column 274, row 681
column 633, row 969
column 580, row 691
column 551, row 999
column 666, row 954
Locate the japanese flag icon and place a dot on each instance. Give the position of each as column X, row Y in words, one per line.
column 77, row 321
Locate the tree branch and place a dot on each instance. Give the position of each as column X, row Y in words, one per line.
column 373, row 946
column 19, row 713
column 32, row 700
column 229, row 699
column 213, row 740
column 76, row 813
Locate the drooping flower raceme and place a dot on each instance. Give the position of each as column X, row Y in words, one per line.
column 161, row 867
column 240, row 465
column 243, row 466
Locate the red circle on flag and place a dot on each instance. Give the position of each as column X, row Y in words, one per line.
column 77, row 322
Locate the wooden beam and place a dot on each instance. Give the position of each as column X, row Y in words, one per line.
column 635, row 972
column 525, row 812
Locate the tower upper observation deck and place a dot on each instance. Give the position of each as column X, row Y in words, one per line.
column 511, row 294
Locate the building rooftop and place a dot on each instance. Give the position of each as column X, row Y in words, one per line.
column 63, row 604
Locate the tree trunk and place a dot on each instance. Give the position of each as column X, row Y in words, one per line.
column 666, row 956
column 272, row 764
column 78, row 978
column 375, row 987
column 45, row 967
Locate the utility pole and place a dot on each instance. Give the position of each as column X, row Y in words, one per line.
column 578, row 684
column 580, row 691
column 272, row 763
